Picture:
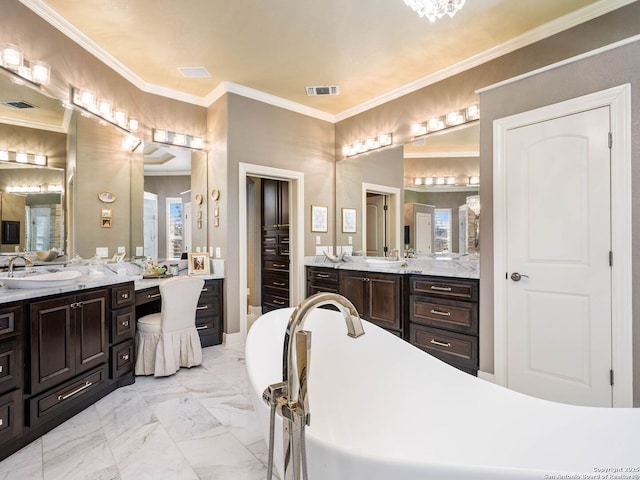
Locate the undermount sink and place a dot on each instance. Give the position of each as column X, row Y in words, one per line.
column 380, row 262
column 45, row 280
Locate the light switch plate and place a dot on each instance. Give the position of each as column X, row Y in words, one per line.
column 317, row 239
column 350, row 240
column 102, row 252
column 139, row 251
column 218, row 252
column 121, row 250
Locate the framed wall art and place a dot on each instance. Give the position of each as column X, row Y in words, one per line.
column 348, row 220
column 319, row 218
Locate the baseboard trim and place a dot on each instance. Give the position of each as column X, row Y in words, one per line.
column 489, row 377
column 230, row 339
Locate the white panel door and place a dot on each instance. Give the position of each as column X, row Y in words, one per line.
column 150, row 224
column 377, row 238
column 558, row 240
column 463, row 229
column 424, row 232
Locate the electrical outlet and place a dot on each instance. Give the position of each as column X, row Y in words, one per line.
column 139, row 251
column 248, row 291
column 350, row 240
column 218, row 252
column 121, row 250
column 317, row 239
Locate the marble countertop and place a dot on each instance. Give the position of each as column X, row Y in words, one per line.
column 108, row 274
column 462, row 267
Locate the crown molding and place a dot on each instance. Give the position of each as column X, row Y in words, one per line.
column 551, row 28
column 37, row 125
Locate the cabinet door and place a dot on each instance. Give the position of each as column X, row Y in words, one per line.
column 270, row 203
column 52, row 352
column 384, row 300
column 283, row 204
column 91, row 330
column 352, row 286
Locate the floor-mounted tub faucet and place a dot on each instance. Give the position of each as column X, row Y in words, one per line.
column 289, row 398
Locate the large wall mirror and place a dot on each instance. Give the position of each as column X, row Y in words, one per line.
column 441, row 194
column 32, row 198
column 175, row 200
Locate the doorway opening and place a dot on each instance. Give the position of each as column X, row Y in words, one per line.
column 382, row 223
column 249, row 228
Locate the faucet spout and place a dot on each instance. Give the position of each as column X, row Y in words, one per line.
column 27, row 262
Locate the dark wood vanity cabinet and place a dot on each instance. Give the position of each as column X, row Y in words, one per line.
column 209, row 313
column 322, row 279
column 122, row 330
column 68, row 337
column 376, row 296
column 11, row 372
column 443, row 315
column 275, row 244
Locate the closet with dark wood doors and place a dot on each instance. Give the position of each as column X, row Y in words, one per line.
column 275, row 244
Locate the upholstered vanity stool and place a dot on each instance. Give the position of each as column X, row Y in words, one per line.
column 169, row 340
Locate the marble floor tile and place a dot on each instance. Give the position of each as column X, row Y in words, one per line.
column 196, row 424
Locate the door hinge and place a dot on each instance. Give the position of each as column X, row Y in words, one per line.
column 610, row 140
column 611, row 377
column 386, row 207
column 610, row 258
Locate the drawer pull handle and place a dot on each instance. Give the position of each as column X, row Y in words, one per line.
column 322, row 275
column 444, row 314
column 202, row 327
column 125, row 323
column 202, row 307
column 205, row 289
column 125, row 295
column 279, row 284
column 1, row 367
column 440, row 289
column 76, row 391
column 1, row 421
column 440, row 344
column 152, row 295
column 278, row 302
column 278, row 265
column 125, row 357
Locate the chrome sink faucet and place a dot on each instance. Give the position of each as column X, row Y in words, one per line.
column 27, row 262
column 289, row 398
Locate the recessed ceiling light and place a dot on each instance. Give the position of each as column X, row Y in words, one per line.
column 194, row 72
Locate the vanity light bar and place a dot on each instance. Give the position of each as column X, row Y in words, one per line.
column 373, row 143
column 451, row 119
column 12, row 60
column 34, row 189
column 90, row 104
column 439, row 181
column 22, row 157
column 178, row 139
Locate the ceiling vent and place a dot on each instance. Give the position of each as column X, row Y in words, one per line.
column 18, row 104
column 194, row 72
column 323, row 90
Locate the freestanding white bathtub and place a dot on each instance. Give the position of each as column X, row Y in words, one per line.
column 383, row 409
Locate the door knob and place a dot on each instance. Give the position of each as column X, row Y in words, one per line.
column 515, row 276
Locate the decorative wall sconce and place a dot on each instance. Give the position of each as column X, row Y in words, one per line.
column 12, row 60
column 21, row 157
column 451, row 119
column 373, row 143
column 178, row 139
column 102, row 108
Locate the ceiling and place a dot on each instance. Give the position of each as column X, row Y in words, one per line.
column 369, row 48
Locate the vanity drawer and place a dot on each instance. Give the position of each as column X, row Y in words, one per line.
column 11, row 423
column 451, row 347
column 211, row 287
column 446, row 288
column 277, row 282
column 441, row 313
column 274, row 300
column 123, row 324
column 50, row 403
column 10, row 320
column 122, row 295
column 322, row 275
column 147, row 295
column 122, row 358
column 10, row 365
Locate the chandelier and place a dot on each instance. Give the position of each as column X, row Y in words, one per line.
column 435, row 9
